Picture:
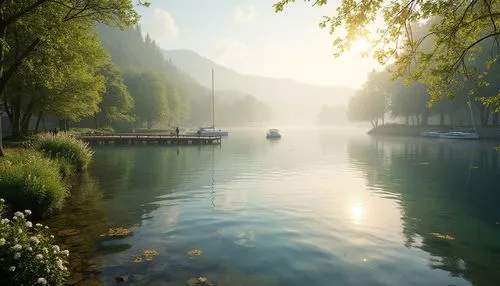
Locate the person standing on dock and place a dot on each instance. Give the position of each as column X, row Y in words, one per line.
column 177, row 131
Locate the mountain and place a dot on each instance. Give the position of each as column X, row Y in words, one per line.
column 189, row 102
column 291, row 101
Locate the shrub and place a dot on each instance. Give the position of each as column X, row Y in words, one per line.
column 29, row 180
column 92, row 131
column 145, row 130
column 66, row 148
column 27, row 253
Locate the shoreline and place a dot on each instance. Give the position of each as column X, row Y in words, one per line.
column 491, row 133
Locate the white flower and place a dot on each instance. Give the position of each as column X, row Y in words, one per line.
column 4, row 220
column 2, row 241
column 12, row 268
column 59, row 264
column 17, row 255
column 17, row 247
column 35, row 239
column 42, row 281
column 29, row 249
column 38, row 225
column 29, row 224
column 56, row 248
column 19, row 230
column 46, row 227
column 39, row 256
column 45, row 250
column 65, row 252
column 28, row 212
column 2, row 200
column 19, row 214
column 51, row 236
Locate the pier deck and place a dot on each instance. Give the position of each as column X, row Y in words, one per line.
column 130, row 139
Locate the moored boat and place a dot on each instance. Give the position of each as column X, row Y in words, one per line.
column 431, row 134
column 460, row 135
column 210, row 131
column 273, row 134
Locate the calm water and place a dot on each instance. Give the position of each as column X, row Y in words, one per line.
column 317, row 208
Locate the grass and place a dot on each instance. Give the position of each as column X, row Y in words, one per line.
column 145, row 130
column 91, row 131
column 71, row 152
column 29, row 180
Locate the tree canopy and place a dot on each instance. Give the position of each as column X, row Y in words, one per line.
column 458, row 32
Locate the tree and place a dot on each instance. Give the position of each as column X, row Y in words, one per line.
column 117, row 103
column 409, row 99
column 150, row 97
column 60, row 78
column 25, row 26
column 366, row 106
column 457, row 30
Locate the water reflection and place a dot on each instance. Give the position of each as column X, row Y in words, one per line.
column 307, row 210
column 443, row 187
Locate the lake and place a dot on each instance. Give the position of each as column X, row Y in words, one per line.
column 318, row 207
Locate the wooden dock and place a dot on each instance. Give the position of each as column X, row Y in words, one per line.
column 160, row 139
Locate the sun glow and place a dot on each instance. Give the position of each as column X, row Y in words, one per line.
column 360, row 46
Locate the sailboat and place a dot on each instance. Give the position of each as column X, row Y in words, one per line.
column 212, row 131
column 463, row 134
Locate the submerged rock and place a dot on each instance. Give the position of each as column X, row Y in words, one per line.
column 121, row 279
column 199, row 281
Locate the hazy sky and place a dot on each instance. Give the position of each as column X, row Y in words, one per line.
column 247, row 36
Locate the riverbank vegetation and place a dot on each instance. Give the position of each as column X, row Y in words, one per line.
column 30, row 180
column 28, row 253
column 64, row 148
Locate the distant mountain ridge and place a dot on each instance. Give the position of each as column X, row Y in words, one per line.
column 289, row 98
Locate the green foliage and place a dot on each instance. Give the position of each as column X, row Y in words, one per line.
column 116, row 104
column 28, row 253
column 51, row 56
column 370, row 102
column 65, row 148
column 150, row 97
column 91, row 131
column 29, row 180
column 152, row 130
column 440, row 55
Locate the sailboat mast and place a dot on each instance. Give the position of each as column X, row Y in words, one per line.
column 213, row 101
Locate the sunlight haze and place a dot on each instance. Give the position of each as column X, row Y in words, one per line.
column 249, row 37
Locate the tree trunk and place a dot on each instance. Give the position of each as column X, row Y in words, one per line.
column 39, row 118
column 62, row 124
column 496, row 117
column 25, row 124
column 484, row 114
column 425, row 118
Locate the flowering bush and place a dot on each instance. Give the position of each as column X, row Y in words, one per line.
column 27, row 253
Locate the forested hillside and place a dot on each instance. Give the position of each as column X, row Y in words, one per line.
column 186, row 102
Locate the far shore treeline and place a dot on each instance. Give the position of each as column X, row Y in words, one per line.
column 76, row 65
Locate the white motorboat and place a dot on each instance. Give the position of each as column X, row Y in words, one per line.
column 460, row 135
column 273, row 134
column 210, row 131
column 431, row 134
